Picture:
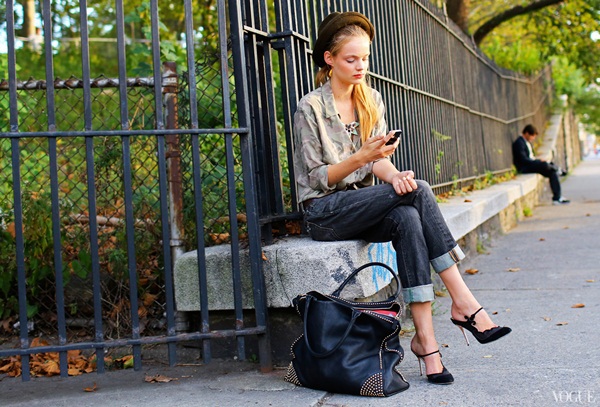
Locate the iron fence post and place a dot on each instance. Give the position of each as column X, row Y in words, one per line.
column 170, row 88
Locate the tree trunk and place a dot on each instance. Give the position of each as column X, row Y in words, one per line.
column 495, row 21
column 28, row 18
column 458, row 11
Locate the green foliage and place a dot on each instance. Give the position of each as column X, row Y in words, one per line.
column 565, row 34
column 517, row 56
column 440, row 136
column 568, row 78
column 583, row 97
column 587, row 106
column 529, row 41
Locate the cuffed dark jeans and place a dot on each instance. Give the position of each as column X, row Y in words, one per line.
column 412, row 222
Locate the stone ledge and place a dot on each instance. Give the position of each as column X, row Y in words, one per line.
column 296, row 265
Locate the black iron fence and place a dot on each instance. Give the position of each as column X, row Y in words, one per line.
column 104, row 181
column 459, row 111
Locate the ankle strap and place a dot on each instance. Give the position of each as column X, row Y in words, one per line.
column 471, row 319
column 429, row 354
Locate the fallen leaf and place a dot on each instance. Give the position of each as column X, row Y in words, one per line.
column 148, row 299
column 566, row 227
column 91, row 389
column 264, row 256
column 468, row 200
column 495, row 313
column 562, row 323
column 578, row 305
column 444, row 345
column 546, row 318
column 11, row 229
column 158, row 379
column 588, row 214
column 219, row 238
column 513, row 269
column 74, row 372
column 590, row 281
column 542, row 239
column 471, row 271
column 488, row 356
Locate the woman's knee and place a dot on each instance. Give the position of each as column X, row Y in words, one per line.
column 406, row 217
column 422, row 184
column 424, row 190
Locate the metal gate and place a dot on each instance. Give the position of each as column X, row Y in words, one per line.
column 105, row 179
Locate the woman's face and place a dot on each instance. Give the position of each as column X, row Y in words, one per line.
column 350, row 64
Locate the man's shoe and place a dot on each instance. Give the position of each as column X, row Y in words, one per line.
column 560, row 201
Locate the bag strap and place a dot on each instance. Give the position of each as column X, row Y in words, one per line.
column 355, row 272
column 355, row 315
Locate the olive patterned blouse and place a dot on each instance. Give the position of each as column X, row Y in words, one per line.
column 322, row 139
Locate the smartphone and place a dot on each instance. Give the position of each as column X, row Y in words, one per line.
column 395, row 136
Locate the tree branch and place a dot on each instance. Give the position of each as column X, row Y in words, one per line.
column 494, row 22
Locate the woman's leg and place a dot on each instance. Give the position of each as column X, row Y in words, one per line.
column 403, row 226
column 424, row 341
column 464, row 302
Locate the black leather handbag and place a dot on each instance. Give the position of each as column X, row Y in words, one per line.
column 348, row 347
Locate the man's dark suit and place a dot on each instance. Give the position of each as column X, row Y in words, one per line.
column 526, row 165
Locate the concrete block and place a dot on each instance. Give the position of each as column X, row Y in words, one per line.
column 296, row 265
column 464, row 214
column 293, row 266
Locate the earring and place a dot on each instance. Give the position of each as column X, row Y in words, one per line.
column 330, row 71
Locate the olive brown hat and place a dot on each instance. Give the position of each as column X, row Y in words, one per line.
column 331, row 25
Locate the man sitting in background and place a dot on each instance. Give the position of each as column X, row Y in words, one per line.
column 526, row 163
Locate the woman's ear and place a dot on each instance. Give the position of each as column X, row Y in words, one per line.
column 328, row 58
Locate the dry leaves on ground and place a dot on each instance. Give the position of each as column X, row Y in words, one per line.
column 578, row 305
column 159, row 379
column 513, row 269
column 471, row 271
column 91, row 389
column 47, row 364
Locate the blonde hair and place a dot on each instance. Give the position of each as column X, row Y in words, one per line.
column 366, row 108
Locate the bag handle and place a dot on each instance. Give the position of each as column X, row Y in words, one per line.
column 355, row 315
column 337, row 292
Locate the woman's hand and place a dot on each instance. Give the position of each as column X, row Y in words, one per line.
column 404, row 182
column 375, row 149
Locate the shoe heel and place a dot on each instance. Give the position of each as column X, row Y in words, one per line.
column 465, row 335
column 420, row 369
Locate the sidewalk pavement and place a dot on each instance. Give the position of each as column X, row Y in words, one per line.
column 530, row 279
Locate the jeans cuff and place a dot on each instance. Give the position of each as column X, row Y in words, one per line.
column 422, row 293
column 447, row 259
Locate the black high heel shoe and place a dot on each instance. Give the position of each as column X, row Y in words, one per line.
column 489, row 335
column 444, row 377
